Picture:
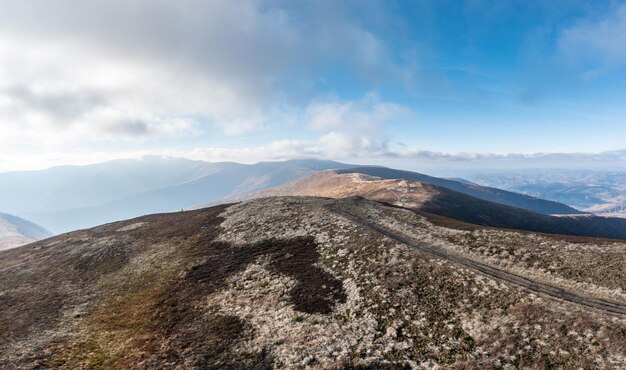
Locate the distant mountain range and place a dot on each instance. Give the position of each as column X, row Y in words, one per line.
column 15, row 231
column 599, row 192
column 74, row 197
column 441, row 201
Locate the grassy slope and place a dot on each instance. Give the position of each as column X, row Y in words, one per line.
column 481, row 192
column 276, row 283
column 442, row 201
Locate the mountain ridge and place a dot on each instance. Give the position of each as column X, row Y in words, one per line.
column 75, row 197
column 482, row 192
column 442, row 201
column 63, row 201
column 16, row 231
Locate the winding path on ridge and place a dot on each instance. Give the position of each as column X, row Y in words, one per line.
column 495, row 273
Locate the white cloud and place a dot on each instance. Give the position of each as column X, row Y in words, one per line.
column 353, row 128
column 138, row 69
column 600, row 40
column 413, row 158
column 344, row 145
column 368, row 113
column 94, row 83
column 345, row 129
column 135, row 77
column 333, row 146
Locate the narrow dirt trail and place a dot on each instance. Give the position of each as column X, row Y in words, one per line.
column 611, row 307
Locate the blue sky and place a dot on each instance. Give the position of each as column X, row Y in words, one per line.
column 408, row 83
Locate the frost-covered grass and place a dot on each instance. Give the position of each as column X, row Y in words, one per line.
column 593, row 267
column 403, row 308
column 286, row 283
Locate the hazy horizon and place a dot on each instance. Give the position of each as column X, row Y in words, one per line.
column 470, row 168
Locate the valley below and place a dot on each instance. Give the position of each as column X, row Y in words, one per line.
column 598, row 192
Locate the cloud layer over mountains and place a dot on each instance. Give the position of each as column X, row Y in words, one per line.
column 82, row 82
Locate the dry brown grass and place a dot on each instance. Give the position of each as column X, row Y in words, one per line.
column 284, row 283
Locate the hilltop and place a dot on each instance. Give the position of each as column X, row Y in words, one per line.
column 294, row 282
column 441, row 201
column 487, row 193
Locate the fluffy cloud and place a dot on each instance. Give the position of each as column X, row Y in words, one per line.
column 368, row 113
column 600, row 40
column 367, row 153
column 354, row 128
column 401, row 156
column 342, row 145
column 147, row 68
column 109, row 67
column 80, row 78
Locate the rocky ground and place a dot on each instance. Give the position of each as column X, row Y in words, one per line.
column 288, row 283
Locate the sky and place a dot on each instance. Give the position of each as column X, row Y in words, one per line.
column 412, row 84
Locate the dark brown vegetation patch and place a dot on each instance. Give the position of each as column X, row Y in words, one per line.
column 174, row 325
column 155, row 313
column 104, row 260
column 182, row 329
column 316, row 290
